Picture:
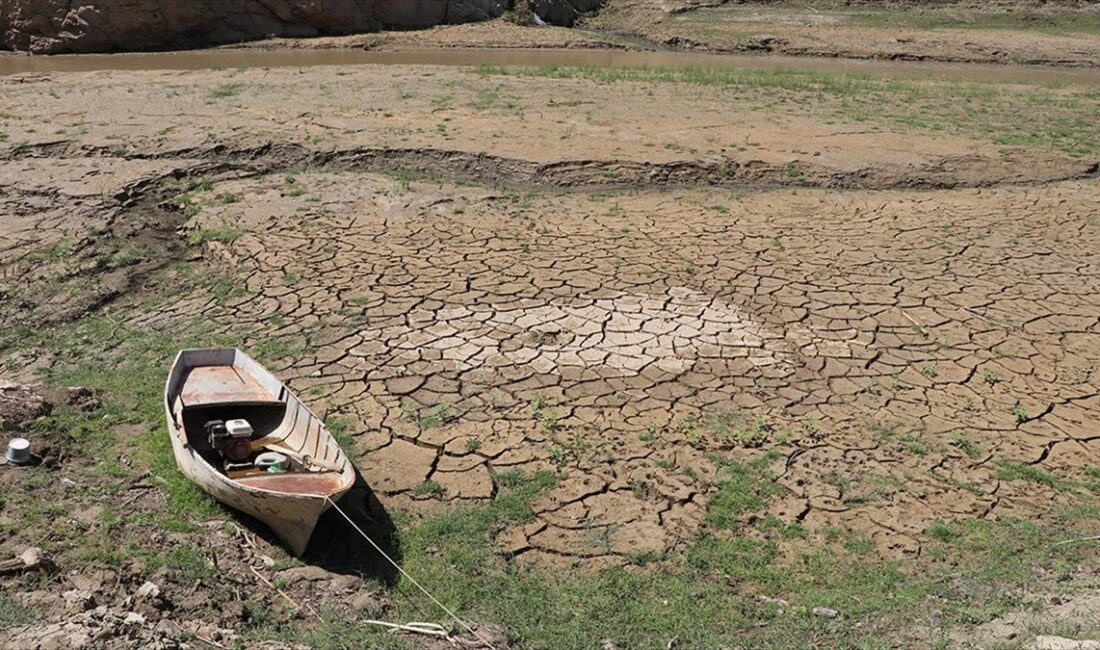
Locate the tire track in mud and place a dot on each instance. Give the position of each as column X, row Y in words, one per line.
column 491, row 170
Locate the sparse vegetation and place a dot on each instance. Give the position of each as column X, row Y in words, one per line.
column 967, row 445
column 1019, row 413
column 226, row 90
column 428, row 488
column 1015, row 471
column 439, row 415
column 222, row 235
column 981, row 110
column 742, row 488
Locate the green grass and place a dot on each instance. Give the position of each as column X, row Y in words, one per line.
column 226, row 90
column 427, row 488
column 224, row 235
column 271, row 349
column 1015, row 471
column 13, row 614
column 186, row 202
column 1042, row 117
column 725, row 426
column 743, row 488
column 340, row 427
column 126, row 367
column 132, row 385
column 51, row 253
column 708, row 599
column 437, row 416
column 967, row 445
column 943, row 532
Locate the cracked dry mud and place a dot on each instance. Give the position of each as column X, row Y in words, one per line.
column 892, row 348
column 465, row 333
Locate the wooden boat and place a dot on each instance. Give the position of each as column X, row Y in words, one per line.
column 208, row 387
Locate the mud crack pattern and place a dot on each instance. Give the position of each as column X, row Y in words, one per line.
column 895, row 356
column 893, row 353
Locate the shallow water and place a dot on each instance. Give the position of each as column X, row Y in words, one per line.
column 306, row 57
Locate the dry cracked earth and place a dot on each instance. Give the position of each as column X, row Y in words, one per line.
column 896, row 329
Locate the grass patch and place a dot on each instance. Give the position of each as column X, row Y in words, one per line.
column 975, row 571
column 224, row 91
column 224, row 235
column 437, row 416
column 51, row 253
column 1015, row 471
column 340, row 428
column 271, row 349
column 427, row 488
column 744, row 488
column 718, row 21
column 967, row 445
column 127, row 367
column 725, row 426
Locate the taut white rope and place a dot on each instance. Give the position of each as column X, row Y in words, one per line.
column 410, row 578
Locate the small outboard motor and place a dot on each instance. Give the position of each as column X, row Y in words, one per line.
column 230, row 438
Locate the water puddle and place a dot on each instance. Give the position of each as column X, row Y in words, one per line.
column 306, row 57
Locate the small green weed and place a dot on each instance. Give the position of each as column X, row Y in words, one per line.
column 224, row 235
column 226, row 90
column 428, row 488
column 1016, row 471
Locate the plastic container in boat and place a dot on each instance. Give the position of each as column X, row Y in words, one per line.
column 272, row 459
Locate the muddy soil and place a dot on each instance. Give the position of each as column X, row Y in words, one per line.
column 614, row 281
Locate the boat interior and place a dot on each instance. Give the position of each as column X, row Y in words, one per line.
column 217, row 389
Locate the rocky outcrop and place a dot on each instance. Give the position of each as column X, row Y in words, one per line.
column 563, row 12
column 54, row 26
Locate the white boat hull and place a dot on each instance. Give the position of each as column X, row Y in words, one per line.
column 289, row 507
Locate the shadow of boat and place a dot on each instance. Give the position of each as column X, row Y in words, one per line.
column 336, row 546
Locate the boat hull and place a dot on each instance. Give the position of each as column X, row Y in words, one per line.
column 290, row 504
column 291, row 517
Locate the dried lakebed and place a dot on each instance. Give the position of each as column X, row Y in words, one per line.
column 865, row 325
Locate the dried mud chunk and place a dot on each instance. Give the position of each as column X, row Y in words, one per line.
column 645, row 536
column 473, row 483
column 399, row 466
column 591, row 542
column 20, row 406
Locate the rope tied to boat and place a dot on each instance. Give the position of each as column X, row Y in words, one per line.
column 411, row 579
